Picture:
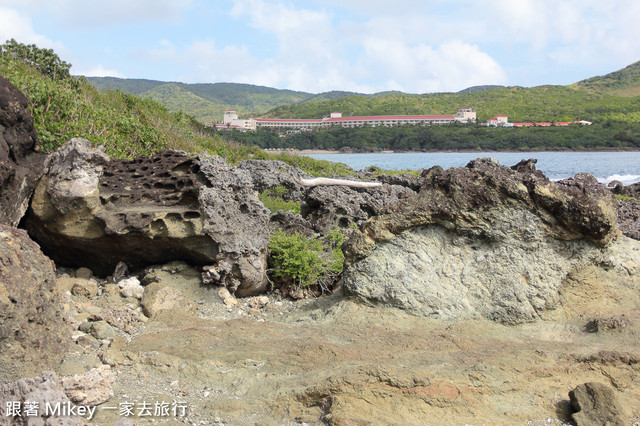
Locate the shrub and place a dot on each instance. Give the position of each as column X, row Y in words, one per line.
column 272, row 199
column 306, row 261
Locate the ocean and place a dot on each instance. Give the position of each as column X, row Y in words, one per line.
column 605, row 166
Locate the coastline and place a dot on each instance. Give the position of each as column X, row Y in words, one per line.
column 326, row 151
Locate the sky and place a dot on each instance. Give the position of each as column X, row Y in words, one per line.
column 366, row 46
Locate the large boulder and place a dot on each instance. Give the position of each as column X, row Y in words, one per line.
column 486, row 241
column 20, row 163
column 33, row 334
column 95, row 212
column 596, row 404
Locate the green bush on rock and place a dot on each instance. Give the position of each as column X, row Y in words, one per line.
column 272, row 199
column 305, row 262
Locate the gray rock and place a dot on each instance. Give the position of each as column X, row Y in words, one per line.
column 41, row 390
column 330, row 207
column 93, row 212
column 629, row 218
column 84, row 273
column 33, row 334
column 101, row 330
column 131, row 287
column 237, row 220
column 486, row 241
column 21, row 165
column 270, row 174
column 596, row 404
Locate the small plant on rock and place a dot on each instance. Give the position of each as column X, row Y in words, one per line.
column 306, row 262
column 272, row 199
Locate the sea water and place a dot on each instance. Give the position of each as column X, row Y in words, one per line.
column 605, row 166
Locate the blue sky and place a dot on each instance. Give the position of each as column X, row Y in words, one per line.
column 416, row 46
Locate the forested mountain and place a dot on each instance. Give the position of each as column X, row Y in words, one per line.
column 615, row 96
column 542, row 103
column 207, row 102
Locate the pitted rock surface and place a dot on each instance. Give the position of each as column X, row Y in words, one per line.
column 93, row 212
column 269, row 174
column 21, row 165
column 330, row 207
column 629, row 218
column 168, row 179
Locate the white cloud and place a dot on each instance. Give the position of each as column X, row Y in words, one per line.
column 87, row 14
column 316, row 53
column 99, row 71
column 14, row 24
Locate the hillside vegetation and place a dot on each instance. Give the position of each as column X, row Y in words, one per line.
column 64, row 106
column 207, row 102
column 625, row 82
column 613, row 97
column 542, row 103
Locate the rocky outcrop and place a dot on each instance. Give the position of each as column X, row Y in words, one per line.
column 270, row 174
column 239, row 223
column 632, row 190
column 486, row 241
column 330, row 207
column 629, row 218
column 596, row 404
column 33, row 335
column 49, row 400
column 20, row 164
column 95, row 212
column 30, row 397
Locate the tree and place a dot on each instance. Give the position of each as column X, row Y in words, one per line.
column 45, row 60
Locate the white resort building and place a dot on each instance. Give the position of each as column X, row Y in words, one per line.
column 231, row 121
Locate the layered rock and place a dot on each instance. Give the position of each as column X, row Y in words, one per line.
column 33, row 335
column 20, row 163
column 95, row 212
column 486, row 241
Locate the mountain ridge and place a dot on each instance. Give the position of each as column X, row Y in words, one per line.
column 612, row 96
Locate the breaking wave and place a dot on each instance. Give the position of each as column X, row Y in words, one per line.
column 625, row 179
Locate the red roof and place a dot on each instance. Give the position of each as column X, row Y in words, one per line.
column 391, row 118
column 288, row 120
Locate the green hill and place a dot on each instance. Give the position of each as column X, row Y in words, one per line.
column 625, row 82
column 207, row 102
column 542, row 103
column 610, row 97
column 64, row 107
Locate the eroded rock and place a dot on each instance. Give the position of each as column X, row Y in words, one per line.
column 158, row 297
column 33, row 334
column 38, row 391
column 596, row 404
column 21, row 165
column 94, row 212
column 484, row 241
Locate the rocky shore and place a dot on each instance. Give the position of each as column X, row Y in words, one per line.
column 141, row 291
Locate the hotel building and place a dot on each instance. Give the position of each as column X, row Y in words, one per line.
column 231, row 121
